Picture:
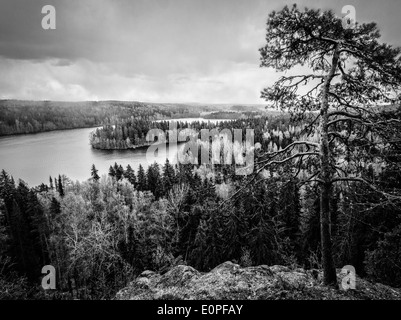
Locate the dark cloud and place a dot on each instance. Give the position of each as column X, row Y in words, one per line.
column 157, row 47
column 62, row 63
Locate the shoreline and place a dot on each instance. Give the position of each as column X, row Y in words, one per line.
column 140, row 147
column 47, row 131
column 88, row 127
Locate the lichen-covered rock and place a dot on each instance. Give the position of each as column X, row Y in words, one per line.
column 277, row 268
column 230, row 281
column 146, row 274
column 178, row 276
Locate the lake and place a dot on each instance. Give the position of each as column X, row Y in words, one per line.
column 34, row 157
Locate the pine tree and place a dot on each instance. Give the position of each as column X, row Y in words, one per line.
column 60, row 186
column 55, row 208
column 130, row 175
column 119, row 170
column 311, row 224
column 39, row 229
column 214, row 234
column 169, row 178
column 94, row 174
column 197, row 182
column 154, row 181
column 112, row 172
column 198, row 256
column 235, row 230
column 7, row 188
column 352, row 73
column 185, row 173
column 289, row 209
column 142, row 184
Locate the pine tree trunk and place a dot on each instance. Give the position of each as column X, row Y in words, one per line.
column 329, row 271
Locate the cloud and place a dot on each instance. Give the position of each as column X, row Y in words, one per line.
column 62, row 63
column 162, row 50
column 86, row 80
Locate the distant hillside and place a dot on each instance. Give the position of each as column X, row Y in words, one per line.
column 22, row 117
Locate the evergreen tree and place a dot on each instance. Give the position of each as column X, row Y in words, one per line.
column 169, row 178
column 289, row 209
column 234, row 232
column 142, row 184
column 39, row 229
column 130, row 175
column 197, row 182
column 212, row 255
column 154, row 181
column 185, row 173
column 60, row 186
column 197, row 257
column 55, row 208
column 311, row 226
column 356, row 74
column 112, row 172
column 94, row 173
column 119, row 171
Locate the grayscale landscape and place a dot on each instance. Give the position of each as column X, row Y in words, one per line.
column 200, row 150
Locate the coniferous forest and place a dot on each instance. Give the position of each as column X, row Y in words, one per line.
column 103, row 232
column 22, row 117
column 312, row 185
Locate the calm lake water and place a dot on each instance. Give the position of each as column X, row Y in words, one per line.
column 33, row 158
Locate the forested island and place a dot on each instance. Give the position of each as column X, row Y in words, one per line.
column 199, row 215
column 131, row 133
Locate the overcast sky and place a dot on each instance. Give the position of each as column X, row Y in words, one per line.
column 150, row 50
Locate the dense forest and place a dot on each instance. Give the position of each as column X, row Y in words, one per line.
column 31, row 117
column 99, row 234
column 228, row 115
column 22, row 117
column 131, row 133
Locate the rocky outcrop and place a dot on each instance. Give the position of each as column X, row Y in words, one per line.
column 230, row 281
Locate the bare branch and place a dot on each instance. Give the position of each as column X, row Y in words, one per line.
column 290, row 146
column 369, row 184
column 269, row 163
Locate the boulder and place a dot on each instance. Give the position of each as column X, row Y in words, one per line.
column 231, row 281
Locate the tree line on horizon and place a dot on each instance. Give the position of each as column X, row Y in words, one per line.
column 23, row 117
